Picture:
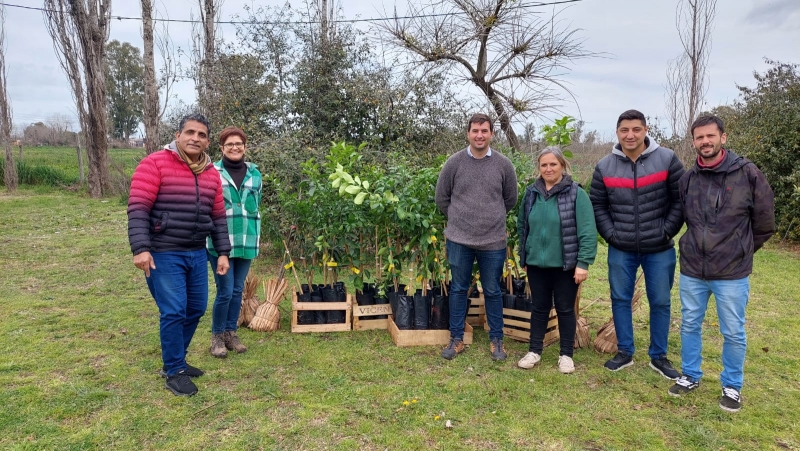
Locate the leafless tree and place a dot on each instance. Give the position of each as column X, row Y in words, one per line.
column 58, row 125
column 687, row 80
column 204, row 56
column 513, row 55
column 153, row 109
column 10, row 176
column 80, row 29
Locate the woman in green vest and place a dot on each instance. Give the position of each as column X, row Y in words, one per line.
column 558, row 242
column 241, row 188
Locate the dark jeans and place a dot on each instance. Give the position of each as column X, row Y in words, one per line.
column 490, row 265
column 552, row 286
column 228, row 302
column 179, row 285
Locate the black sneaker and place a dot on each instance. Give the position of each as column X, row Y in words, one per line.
column 497, row 349
column 190, row 371
column 664, row 367
column 181, row 384
column 731, row 400
column 455, row 347
column 683, row 386
column 620, row 361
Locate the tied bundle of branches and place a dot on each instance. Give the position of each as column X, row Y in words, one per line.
column 582, row 339
column 268, row 316
column 606, row 340
column 249, row 300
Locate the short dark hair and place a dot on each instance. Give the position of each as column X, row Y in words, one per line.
column 708, row 119
column 480, row 119
column 231, row 131
column 194, row 117
column 632, row 115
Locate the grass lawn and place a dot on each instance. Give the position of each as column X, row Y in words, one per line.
column 80, row 355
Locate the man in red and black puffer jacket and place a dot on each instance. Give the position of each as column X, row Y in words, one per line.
column 175, row 203
column 638, row 211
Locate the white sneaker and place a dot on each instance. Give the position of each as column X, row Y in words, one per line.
column 566, row 365
column 529, row 361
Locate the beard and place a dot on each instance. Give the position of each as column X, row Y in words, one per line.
column 709, row 152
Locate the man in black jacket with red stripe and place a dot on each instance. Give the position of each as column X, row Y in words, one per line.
column 637, row 209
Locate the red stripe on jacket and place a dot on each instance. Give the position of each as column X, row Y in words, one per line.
column 621, row 182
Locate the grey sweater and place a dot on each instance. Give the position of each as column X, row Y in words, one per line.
column 475, row 197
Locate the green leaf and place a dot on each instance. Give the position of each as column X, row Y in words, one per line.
column 360, row 198
column 336, row 183
column 365, row 184
column 352, row 189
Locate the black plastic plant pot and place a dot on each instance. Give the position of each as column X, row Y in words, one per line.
column 404, row 317
column 422, row 310
column 331, row 294
column 518, row 286
column 394, row 299
column 381, row 300
column 440, row 312
column 319, row 316
column 304, row 316
column 509, row 301
column 305, row 288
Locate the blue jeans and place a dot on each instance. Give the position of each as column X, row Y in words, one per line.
column 731, row 297
column 490, row 265
column 659, row 275
column 228, row 303
column 179, row 285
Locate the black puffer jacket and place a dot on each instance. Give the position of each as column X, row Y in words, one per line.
column 636, row 204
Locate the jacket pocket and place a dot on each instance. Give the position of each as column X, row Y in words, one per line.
column 251, row 201
column 160, row 224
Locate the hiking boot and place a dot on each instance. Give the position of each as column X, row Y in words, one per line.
column 497, row 349
column 620, row 361
column 455, row 347
column 731, row 400
column 190, row 371
column 565, row 364
column 683, row 386
column 181, row 384
column 664, row 367
column 529, row 360
column 232, row 342
column 218, row 346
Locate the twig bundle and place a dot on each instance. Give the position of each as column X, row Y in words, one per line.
column 606, row 341
column 249, row 300
column 268, row 316
column 582, row 339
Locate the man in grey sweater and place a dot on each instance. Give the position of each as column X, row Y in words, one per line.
column 476, row 189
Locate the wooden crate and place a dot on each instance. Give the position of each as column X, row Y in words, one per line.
column 360, row 311
column 324, row 306
column 436, row 337
column 517, row 326
column 476, row 315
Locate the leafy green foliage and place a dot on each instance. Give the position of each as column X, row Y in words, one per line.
column 560, row 133
column 764, row 126
column 124, row 88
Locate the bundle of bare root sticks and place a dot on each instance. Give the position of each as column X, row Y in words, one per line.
column 249, row 300
column 268, row 316
column 582, row 339
column 606, row 340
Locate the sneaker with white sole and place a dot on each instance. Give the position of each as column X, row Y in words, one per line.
column 683, row 386
column 529, row 360
column 565, row 364
column 731, row 400
column 619, row 361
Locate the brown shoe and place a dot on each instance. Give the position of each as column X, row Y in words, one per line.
column 218, row 346
column 233, row 343
column 453, row 348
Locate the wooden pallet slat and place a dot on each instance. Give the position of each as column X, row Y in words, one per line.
column 321, row 306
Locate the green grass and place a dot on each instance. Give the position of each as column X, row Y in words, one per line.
column 80, row 355
column 58, row 166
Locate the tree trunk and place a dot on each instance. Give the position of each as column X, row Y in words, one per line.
column 81, row 175
column 10, row 176
column 151, row 103
column 505, row 121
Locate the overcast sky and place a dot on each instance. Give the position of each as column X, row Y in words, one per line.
column 637, row 37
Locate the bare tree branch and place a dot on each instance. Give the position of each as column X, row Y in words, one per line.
column 10, row 176
column 513, row 55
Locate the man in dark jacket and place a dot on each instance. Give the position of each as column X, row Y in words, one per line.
column 637, row 209
column 175, row 203
column 729, row 211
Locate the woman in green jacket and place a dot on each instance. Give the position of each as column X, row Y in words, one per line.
column 558, row 242
column 241, row 189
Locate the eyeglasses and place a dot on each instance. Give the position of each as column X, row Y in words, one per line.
column 232, row 145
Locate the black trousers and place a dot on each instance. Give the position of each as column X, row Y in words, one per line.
column 551, row 286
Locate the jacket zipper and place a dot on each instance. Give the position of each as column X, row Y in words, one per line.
column 636, row 204
column 196, row 205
